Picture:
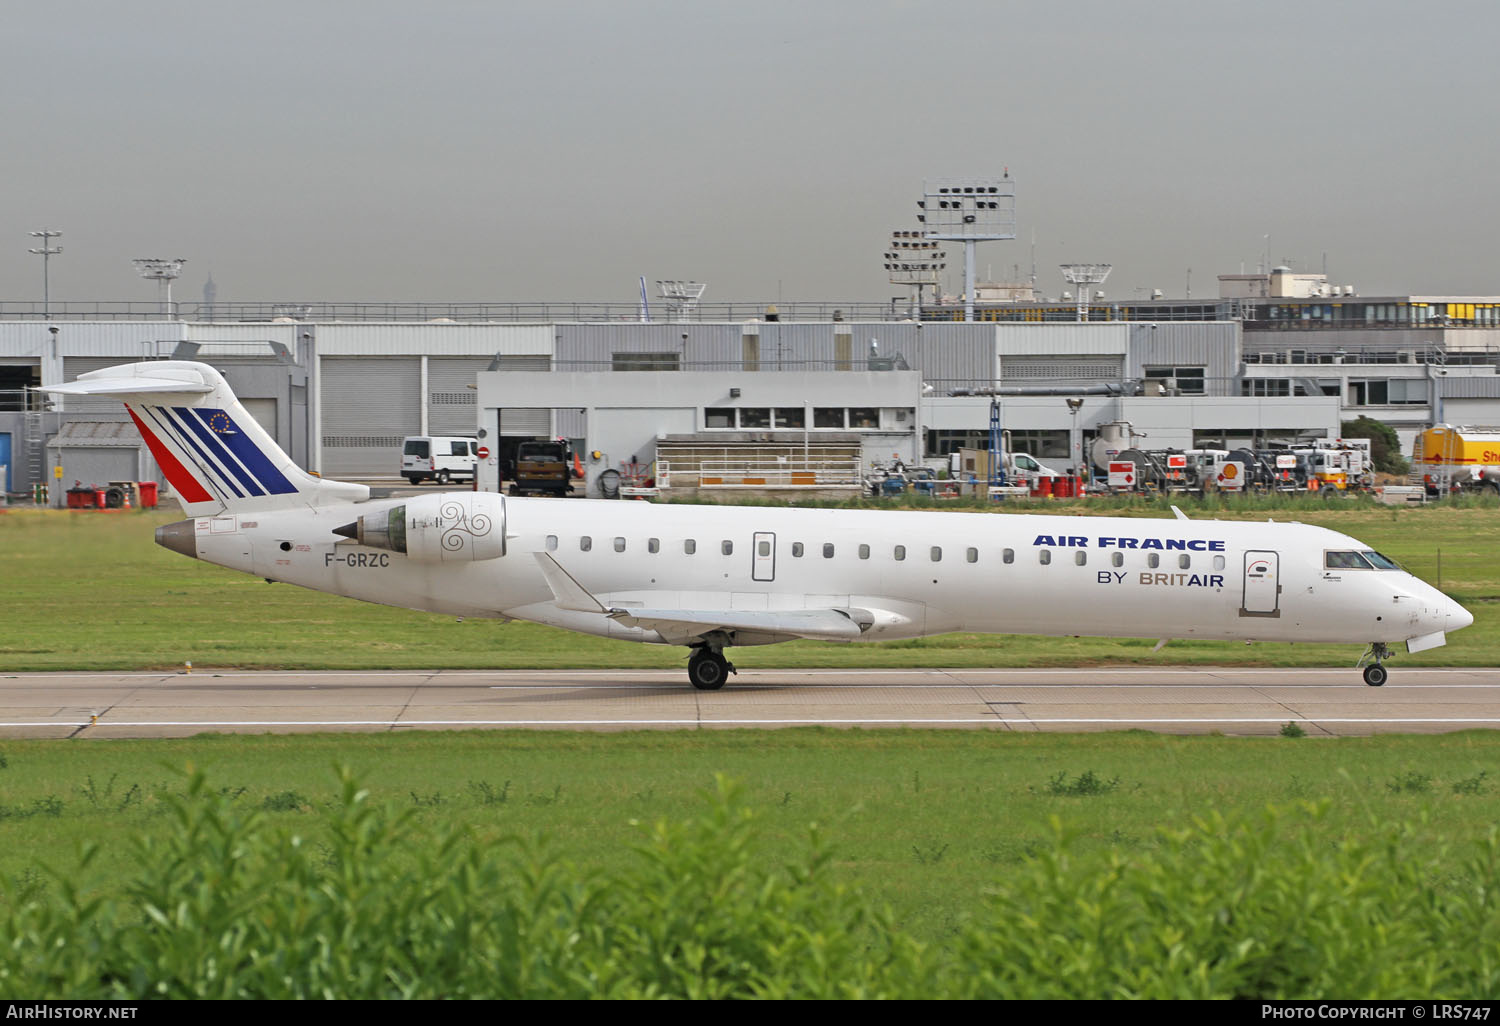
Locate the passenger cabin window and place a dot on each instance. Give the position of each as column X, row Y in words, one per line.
column 797, row 549
column 1008, row 556
column 972, row 555
column 937, row 553
column 1153, row 559
column 1117, row 559
column 619, row 544
column 1346, row 561
column 899, row 552
column 1184, row 561
column 1044, row 556
column 551, row 543
column 727, row 547
column 1080, row 557
column 763, row 547
column 828, row 550
column 585, row 543
column 1218, row 562
column 864, row 552
column 689, row 546
column 653, row 544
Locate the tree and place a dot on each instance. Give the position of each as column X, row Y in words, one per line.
column 1385, row 445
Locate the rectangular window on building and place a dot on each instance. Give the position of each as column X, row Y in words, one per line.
column 790, row 416
column 864, row 417
column 828, row 416
column 646, row 361
column 755, row 417
column 718, row 417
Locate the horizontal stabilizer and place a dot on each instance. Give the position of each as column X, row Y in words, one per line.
column 137, row 385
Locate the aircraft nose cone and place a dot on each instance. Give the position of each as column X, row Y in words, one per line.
column 1458, row 616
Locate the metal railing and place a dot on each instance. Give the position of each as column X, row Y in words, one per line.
column 759, row 472
column 466, row 312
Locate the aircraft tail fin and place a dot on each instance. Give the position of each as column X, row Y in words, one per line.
column 214, row 454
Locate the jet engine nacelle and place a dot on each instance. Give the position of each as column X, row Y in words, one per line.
column 455, row 527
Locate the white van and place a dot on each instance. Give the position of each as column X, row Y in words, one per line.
column 443, row 458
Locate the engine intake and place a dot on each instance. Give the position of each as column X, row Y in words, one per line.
column 451, row 528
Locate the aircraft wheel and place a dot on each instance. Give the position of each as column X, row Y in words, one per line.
column 1376, row 675
column 707, row 670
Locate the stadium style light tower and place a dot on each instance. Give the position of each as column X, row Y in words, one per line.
column 1085, row 277
column 971, row 211
column 681, row 297
column 914, row 260
column 163, row 272
column 46, row 251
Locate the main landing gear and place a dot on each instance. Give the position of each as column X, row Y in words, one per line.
column 708, row 669
column 1375, row 673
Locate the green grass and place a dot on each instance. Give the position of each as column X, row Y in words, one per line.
column 924, row 819
column 949, row 863
column 90, row 591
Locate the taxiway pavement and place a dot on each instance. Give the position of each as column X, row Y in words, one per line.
column 1168, row 700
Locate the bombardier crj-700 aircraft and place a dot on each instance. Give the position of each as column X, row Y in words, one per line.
column 710, row 577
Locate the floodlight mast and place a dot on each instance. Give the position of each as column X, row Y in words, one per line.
column 913, row 260
column 163, row 272
column 1085, row 277
column 968, row 210
column 681, row 296
column 46, row 251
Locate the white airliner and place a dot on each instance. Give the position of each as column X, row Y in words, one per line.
column 710, row 577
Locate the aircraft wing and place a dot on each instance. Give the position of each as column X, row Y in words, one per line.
column 821, row 624
column 679, row 626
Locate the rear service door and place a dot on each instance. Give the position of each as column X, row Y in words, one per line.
column 1262, row 584
column 763, row 567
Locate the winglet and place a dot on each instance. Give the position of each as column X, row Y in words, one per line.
column 566, row 592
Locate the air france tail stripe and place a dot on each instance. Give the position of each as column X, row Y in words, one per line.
column 180, row 478
column 211, row 442
column 239, row 442
column 174, row 431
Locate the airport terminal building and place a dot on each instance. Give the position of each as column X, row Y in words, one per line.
column 339, row 388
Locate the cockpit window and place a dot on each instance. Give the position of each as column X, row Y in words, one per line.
column 1345, row 561
column 1381, row 562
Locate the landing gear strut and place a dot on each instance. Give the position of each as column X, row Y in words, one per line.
column 1375, row 673
column 708, row 670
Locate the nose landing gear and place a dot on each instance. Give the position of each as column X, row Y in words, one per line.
column 1376, row 674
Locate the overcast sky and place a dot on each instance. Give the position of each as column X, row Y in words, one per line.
column 468, row 150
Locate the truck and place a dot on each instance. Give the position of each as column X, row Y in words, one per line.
column 1020, row 468
column 1453, row 459
column 542, row 467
